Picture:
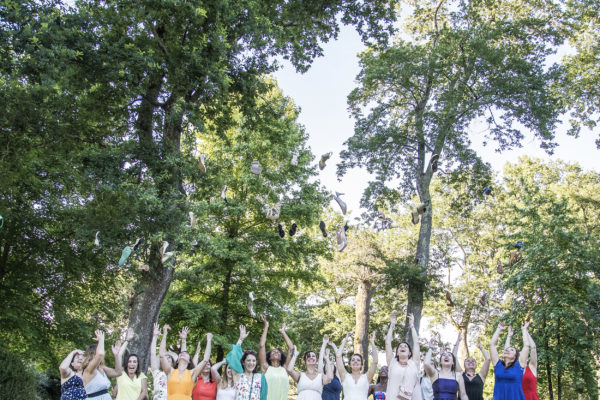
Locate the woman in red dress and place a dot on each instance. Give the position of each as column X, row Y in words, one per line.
column 206, row 385
column 529, row 382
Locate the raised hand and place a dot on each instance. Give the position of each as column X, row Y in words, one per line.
column 129, row 334
column 296, row 352
column 264, row 320
column 501, row 326
column 411, row 321
column 156, row 330
column 199, row 346
column 327, row 354
column 393, row 316
column 209, row 336
column 184, row 332
column 372, row 337
column 166, row 328
column 243, row 333
column 525, row 326
column 116, row 348
column 325, row 339
column 510, row 331
column 283, row 328
column 349, row 335
column 479, row 345
column 99, row 335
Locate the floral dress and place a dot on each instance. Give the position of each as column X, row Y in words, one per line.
column 159, row 385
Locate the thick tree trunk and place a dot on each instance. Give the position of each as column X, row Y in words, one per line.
column 363, row 303
column 146, row 303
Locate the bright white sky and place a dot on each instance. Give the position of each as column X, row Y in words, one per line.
column 321, row 94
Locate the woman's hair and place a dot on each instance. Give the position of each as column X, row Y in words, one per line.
column 190, row 362
column 453, row 368
column 249, row 353
column 224, row 384
column 139, row 366
column 283, row 356
column 307, row 354
column 409, row 349
column 88, row 355
column 515, row 360
column 73, row 359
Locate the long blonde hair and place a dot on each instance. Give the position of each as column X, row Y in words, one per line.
column 224, row 384
column 88, row 356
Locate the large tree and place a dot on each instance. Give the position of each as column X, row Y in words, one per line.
column 457, row 63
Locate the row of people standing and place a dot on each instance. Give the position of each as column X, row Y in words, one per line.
column 264, row 375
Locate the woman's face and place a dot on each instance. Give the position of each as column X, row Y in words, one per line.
column 446, row 360
column 383, row 372
column 76, row 363
column 184, row 359
column 206, row 369
column 403, row 351
column 355, row 362
column 470, row 364
column 510, row 354
column 132, row 364
column 311, row 358
column 275, row 355
column 250, row 363
column 228, row 372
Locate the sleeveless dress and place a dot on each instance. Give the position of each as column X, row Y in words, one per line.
column 473, row 387
column 226, row 394
column 98, row 387
column 355, row 390
column 403, row 379
column 529, row 385
column 248, row 388
column 507, row 385
column 73, row 389
column 129, row 389
column 332, row 390
column 310, row 389
column 204, row 390
column 159, row 385
column 180, row 389
column 278, row 383
column 445, row 389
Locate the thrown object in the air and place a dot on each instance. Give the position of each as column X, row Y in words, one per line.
column 293, row 229
column 434, row 162
column 499, row 267
column 487, row 191
column 97, row 239
column 341, row 239
column 124, row 255
column 272, row 213
column 251, row 308
column 519, row 244
column 202, row 163
column 449, row 299
column 163, row 252
column 323, row 160
column 251, row 295
column 255, row 168
column 421, row 208
column 389, row 140
column 280, row 230
column 514, row 257
column 483, row 299
column 144, row 267
column 415, row 217
column 340, row 202
column 138, row 243
column 322, row 227
column 193, row 220
column 224, row 193
column 294, row 161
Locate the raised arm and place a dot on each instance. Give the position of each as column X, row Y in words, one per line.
column 339, row 360
column 509, row 335
column 65, row 365
column 90, row 370
column 373, row 366
column 197, row 352
column 183, row 337
column 524, row 356
column 328, row 377
column 288, row 342
column 118, row 351
column 458, row 368
column 154, row 361
column 485, row 367
column 416, row 348
column 262, row 346
column 494, row 341
column 214, row 370
column 389, row 351
column 196, row 371
column 461, row 388
column 290, row 367
column 321, row 353
column 167, row 367
column 427, row 364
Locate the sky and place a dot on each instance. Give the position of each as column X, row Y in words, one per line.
column 321, row 93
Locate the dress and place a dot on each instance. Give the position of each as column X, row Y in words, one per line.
column 159, row 385
column 204, row 390
column 279, row 383
column 473, row 387
column 248, row 387
column 355, row 390
column 180, row 389
column 129, row 389
column 507, row 385
column 445, row 389
column 73, row 389
column 403, row 379
column 426, row 389
column 529, row 385
column 332, row 390
column 227, row 393
column 310, row 389
column 97, row 388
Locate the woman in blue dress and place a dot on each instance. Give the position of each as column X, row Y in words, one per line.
column 508, row 372
column 71, row 382
column 446, row 383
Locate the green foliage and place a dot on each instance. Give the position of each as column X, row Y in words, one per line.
column 16, row 380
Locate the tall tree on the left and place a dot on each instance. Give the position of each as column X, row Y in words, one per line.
column 127, row 84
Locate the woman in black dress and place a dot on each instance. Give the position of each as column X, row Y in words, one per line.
column 474, row 381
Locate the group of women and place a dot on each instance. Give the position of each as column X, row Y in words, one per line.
column 262, row 375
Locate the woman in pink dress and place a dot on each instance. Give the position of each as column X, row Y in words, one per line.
column 403, row 366
column 529, row 382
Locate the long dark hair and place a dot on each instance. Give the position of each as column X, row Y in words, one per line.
column 307, row 354
column 453, row 368
column 409, row 349
column 138, row 370
column 249, row 353
column 283, row 357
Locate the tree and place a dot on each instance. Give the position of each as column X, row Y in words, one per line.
column 461, row 62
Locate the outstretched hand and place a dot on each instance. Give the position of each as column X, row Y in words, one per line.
column 283, row 328
column 325, row 339
column 264, row 320
column 116, row 348
column 184, row 332
column 393, row 317
column 156, row 330
column 501, row 326
column 99, row 335
column 209, row 336
column 510, row 331
column 129, row 334
column 411, row 321
column 166, row 328
column 243, row 333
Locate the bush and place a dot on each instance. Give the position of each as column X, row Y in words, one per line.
column 16, row 381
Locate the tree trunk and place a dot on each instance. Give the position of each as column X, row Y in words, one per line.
column 548, row 367
column 363, row 302
column 145, row 305
column 559, row 369
column 224, row 308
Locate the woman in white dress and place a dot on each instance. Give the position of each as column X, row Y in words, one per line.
column 403, row 367
column 225, row 388
column 311, row 382
column 355, row 384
